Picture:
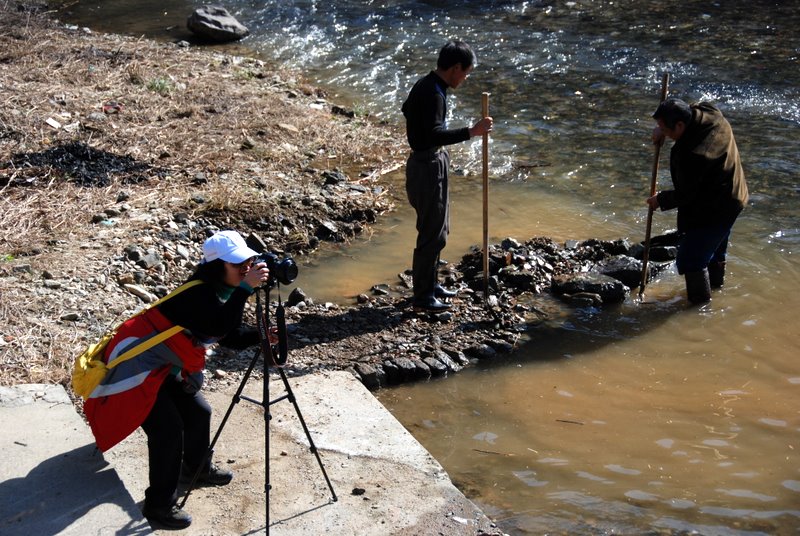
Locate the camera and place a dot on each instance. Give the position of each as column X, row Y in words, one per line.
column 284, row 271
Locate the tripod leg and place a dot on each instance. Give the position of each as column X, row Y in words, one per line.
column 313, row 447
column 267, row 418
column 235, row 400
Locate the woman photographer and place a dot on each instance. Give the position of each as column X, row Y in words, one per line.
column 158, row 389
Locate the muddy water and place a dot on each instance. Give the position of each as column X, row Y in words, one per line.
column 649, row 415
column 645, row 417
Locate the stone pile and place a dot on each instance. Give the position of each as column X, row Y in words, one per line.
column 382, row 342
column 591, row 272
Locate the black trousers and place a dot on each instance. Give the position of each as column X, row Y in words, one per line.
column 178, row 430
column 427, row 190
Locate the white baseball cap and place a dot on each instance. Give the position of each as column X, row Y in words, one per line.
column 228, row 246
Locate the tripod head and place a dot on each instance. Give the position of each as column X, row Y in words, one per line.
column 281, row 271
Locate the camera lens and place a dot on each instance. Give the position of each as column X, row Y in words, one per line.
column 286, row 271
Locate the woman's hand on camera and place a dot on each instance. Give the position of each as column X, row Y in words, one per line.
column 257, row 275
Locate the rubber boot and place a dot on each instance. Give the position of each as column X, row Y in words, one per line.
column 716, row 274
column 698, row 288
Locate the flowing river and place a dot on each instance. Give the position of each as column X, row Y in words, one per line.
column 647, row 418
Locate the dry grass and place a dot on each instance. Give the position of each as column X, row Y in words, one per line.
column 191, row 123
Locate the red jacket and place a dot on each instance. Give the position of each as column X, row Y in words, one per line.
column 123, row 400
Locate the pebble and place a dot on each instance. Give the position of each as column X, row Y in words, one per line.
column 97, row 117
column 140, row 292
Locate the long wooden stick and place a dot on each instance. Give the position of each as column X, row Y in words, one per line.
column 485, row 111
column 653, row 183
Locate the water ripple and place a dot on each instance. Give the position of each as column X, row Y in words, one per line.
column 643, row 496
column 488, row 437
column 529, row 479
column 793, row 485
column 622, row 470
column 747, row 494
column 773, row 422
column 595, row 478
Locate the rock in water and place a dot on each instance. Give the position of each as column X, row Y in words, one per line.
column 610, row 290
column 621, row 267
column 216, row 24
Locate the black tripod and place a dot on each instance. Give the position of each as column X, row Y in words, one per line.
column 268, row 351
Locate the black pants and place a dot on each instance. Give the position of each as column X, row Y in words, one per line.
column 426, row 186
column 178, row 429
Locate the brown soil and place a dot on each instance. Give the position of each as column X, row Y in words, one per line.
column 108, row 141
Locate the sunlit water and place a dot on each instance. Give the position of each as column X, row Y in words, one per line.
column 649, row 416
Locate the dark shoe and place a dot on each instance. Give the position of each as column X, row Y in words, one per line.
column 168, row 517
column 716, row 274
column 431, row 305
column 214, row 476
column 698, row 288
column 440, row 292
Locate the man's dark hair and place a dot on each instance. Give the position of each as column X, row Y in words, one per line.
column 454, row 52
column 673, row 110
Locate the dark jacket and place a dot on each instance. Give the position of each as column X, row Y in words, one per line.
column 707, row 174
column 425, row 110
column 202, row 311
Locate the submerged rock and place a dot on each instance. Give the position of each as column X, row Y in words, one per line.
column 663, row 253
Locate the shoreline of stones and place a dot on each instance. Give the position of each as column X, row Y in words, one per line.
column 379, row 339
column 393, row 345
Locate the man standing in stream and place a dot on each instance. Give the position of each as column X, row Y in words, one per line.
column 709, row 190
column 425, row 111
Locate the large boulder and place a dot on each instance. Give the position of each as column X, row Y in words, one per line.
column 215, row 23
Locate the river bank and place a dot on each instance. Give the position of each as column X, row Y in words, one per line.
column 131, row 153
column 381, row 481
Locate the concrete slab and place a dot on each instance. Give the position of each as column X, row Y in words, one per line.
column 385, row 481
column 51, row 479
column 365, row 448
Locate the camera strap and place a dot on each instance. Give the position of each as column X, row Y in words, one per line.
column 277, row 356
column 283, row 340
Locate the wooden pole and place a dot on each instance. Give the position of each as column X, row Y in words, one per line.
column 485, row 111
column 653, row 183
